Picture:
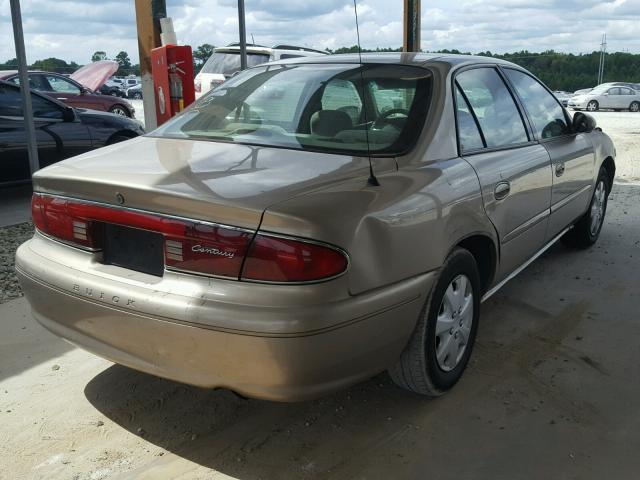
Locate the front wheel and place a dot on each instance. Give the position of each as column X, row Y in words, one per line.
column 119, row 110
column 587, row 230
column 634, row 107
column 592, row 106
column 439, row 349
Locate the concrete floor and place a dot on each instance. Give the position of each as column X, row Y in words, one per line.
column 552, row 392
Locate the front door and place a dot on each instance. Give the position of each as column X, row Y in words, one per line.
column 514, row 172
column 571, row 153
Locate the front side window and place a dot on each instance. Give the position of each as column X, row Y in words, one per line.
column 312, row 107
column 548, row 116
column 11, row 105
column 493, row 106
column 62, row 85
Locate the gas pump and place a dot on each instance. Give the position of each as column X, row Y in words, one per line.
column 172, row 70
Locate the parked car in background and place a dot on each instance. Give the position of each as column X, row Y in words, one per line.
column 607, row 97
column 295, row 227
column 225, row 62
column 71, row 92
column 563, row 97
column 134, row 92
column 61, row 131
column 112, row 88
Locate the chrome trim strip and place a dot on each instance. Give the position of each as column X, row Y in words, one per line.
column 558, row 205
column 526, row 225
column 513, row 274
column 147, row 212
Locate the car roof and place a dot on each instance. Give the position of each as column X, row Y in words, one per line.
column 11, row 73
column 399, row 58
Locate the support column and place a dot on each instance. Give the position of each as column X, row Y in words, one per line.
column 148, row 15
column 27, row 110
column 411, row 24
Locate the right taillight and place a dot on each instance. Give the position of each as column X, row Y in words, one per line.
column 276, row 259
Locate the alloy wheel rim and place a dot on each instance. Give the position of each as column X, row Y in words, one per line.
column 591, row 107
column 453, row 324
column 635, row 107
column 119, row 111
column 597, row 208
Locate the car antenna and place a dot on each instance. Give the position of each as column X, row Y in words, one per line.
column 373, row 181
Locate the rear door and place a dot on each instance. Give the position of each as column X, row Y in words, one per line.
column 571, row 153
column 514, row 170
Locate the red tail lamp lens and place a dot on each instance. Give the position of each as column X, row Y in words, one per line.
column 277, row 259
column 191, row 246
column 51, row 215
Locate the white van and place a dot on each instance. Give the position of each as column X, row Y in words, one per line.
column 225, row 61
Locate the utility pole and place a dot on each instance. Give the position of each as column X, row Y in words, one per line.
column 603, row 54
column 411, row 26
column 27, row 110
column 148, row 15
column 243, row 35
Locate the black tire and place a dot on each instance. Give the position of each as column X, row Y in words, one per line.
column 120, row 110
column 582, row 235
column 418, row 369
column 634, row 107
column 592, row 106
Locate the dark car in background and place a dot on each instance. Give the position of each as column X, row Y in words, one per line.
column 61, row 131
column 71, row 92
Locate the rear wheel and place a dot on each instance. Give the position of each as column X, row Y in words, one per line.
column 119, row 110
column 592, row 106
column 634, row 107
column 587, row 230
column 438, row 352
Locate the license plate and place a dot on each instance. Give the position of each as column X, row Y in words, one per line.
column 134, row 249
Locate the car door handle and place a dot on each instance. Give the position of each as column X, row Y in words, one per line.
column 559, row 169
column 502, row 190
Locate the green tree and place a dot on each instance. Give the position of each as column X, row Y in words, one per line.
column 125, row 63
column 99, row 55
column 201, row 55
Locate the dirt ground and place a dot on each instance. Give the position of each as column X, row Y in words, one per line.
column 552, row 391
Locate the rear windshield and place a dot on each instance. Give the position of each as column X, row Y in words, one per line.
column 229, row 63
column 340, row 108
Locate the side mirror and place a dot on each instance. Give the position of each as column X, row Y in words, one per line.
column 68, row 114
column 583, row 122
column 85, row 91
column 605, row 93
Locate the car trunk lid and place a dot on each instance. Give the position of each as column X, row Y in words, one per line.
column 225, row 183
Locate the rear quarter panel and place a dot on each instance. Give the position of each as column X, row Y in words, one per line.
column 400, row 229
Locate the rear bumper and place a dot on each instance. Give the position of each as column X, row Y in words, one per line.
column 302, row 351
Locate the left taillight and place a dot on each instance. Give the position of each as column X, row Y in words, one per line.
column 53, row 217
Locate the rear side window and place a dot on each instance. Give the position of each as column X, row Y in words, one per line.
column 548, row 117
column 493, row 106
column 468, row 133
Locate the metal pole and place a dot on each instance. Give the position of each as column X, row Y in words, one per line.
column 148, row 14
column 243, row 35
column 32, row 145
column 411, row 26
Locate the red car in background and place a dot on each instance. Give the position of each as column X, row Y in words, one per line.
column 80, row 89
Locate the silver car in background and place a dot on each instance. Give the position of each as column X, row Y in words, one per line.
column 313, row 222
column 605, row 97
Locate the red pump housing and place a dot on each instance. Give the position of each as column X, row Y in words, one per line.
column 172, row 70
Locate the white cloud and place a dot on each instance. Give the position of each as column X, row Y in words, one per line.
column 74, row 29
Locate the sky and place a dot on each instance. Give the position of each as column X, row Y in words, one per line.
column 74, row 29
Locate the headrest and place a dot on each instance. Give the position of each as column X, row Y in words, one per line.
column 326, row 123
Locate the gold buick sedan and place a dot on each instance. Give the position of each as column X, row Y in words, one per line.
column 312, row 222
